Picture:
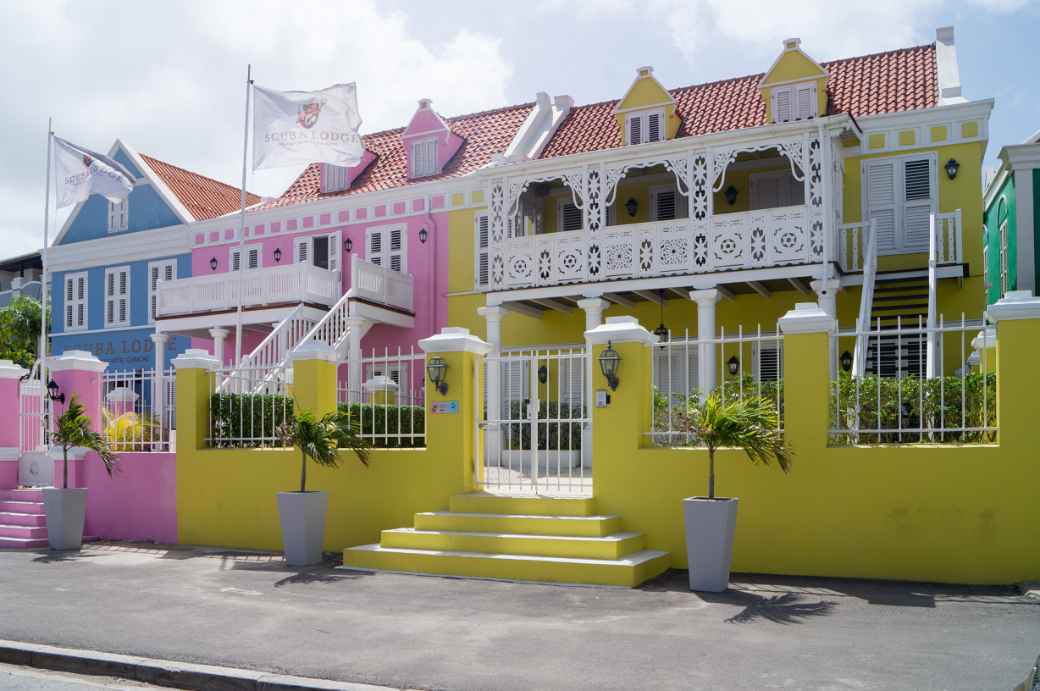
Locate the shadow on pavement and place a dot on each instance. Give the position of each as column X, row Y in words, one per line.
column 787, row 608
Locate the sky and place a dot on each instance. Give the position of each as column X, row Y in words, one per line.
column 169, row 78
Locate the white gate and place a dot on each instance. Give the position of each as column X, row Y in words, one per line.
column 35, row 467
column 537, row 428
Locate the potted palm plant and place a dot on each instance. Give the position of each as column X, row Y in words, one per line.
column 748, row 424
column 67, row 507
column 302, row 513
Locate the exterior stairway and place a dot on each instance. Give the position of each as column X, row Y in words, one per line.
column 529, row 539
column 23, row 520
column 898, row 302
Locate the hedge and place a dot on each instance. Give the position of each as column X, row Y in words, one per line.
column 555, row 433
column 377, row 420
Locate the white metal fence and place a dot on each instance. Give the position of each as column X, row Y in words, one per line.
column 240, row 418
column 33, row 419
column 389, row 410
column 896, row 401
column 738, row 365
column 537, row 421
column 139, row 410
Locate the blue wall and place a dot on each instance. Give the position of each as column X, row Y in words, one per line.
column 126, row 349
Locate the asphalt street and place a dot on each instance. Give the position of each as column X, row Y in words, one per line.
column 251, row 611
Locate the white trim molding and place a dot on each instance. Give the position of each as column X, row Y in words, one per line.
column 81, row 360
column 1017, row 304
column 620, row 330
column 807, row 317
column 454, row 339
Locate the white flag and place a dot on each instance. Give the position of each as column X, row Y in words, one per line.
column 79, row 173
column 294, row 127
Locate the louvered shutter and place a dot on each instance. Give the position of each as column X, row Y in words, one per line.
column 516, row 384
column 783, row 106
column 424, row 158
column 333, row 178
column 481, row 232
column 333, row 252
column 653, row 127
column 572, row 382
column 664, row 205
column 917, row 184
column 157, row 273
column 253, row 257
column 117, row 296
column 769, row 362
column 81, row 301
column 881, row 202
column 570, row 217
column 302, row 248
column 635, row 130
column 397, row 249
column 110, row 298
column 69, row 306
column 374, row 253
column 236, row 259
column 805, row 97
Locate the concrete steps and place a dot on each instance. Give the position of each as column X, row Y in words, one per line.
column 23, row 519
column 515, row 538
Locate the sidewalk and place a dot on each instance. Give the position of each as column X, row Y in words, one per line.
column 250, row 611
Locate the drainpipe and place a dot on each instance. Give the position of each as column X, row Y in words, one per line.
column 433, row 279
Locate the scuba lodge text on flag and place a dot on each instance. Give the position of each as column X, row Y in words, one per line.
column 301, row 127
column 79, row 173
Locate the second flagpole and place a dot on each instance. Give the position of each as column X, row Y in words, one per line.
column 243, row 261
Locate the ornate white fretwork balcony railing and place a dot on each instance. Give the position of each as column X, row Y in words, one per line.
column 702, row 242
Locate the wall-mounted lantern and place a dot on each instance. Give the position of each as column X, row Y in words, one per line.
column 277, row 254
column 437, row 368
column 609, row 364
column 733, row 365
column 213, row 263
column 543, row 374
column 423, row 235
column 952, row 166
column 846, row 361
column 631, row 206
column 53, row 393
column 349, row 245
column 731, row 195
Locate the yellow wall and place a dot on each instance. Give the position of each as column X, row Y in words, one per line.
column 794, row 65
column 647, row 92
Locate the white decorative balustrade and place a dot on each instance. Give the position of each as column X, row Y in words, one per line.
column 948, row 235
column 292, row 283
column 381, row 285
column 746, row 240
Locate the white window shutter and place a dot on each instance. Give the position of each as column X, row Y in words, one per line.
column 570, row 217
column 664, row 205
column 110, row 297
column 236, row 259
column 917, row 187
column 635, row 130
column 782, row 104
column 653, row 127
column 303, row 250
column 397, row 249
column 806, row 106
column 253, row 255
column 881, row 202
column 333, row 252
column 769, row 362
column 482, row 239
column 374, row 253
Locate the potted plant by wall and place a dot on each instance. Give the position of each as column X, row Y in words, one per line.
column 67, row 507
column 748, row 424
column 302, row 513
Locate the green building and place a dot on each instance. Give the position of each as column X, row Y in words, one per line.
column 1012, row 221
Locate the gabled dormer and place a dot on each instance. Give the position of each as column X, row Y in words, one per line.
column 647, row 111
column 339, row 178
column 428, row 142
column 795, row 87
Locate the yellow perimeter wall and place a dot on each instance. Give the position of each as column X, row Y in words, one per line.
column 931, row 513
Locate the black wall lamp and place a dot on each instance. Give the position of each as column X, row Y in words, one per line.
column 437, row 368
column 213, row 263
column 277, row 254
column 631, row 206
column 53, row 393
column 952, row 166
column 423, row 235
column 543, row 374
column 609, row 364
column 348, row 245
column 846, row 361
column 733, row 364
column 731, row 195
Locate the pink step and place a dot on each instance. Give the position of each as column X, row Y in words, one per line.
column 22, row 543
column 31, row 519
column 8, row 505
column 34, row 494
column 26, row 531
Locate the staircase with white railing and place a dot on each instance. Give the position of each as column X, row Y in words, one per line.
column 265, row 363
column 859, row 357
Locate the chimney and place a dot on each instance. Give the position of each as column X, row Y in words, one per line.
column 792, row 43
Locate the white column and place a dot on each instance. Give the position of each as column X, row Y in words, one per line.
column 827, row 292
column 158, row 395
column 356, row 325
column 706, row 350
column 593, row 307
column 218, row 335
column 493, row 378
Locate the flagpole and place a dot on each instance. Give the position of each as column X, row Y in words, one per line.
column 41, row 355
column 242, row 259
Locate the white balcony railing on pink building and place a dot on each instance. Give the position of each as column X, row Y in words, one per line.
column 381, row 285
column 745, row 240
column 292, row 283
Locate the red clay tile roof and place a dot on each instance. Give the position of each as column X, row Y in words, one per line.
column 889, row 82
column 484, row 134
column 203, row 197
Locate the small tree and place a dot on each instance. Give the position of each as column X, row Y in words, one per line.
column 73, row 429
column 750, row 424
column 320, row 439
column 20, row 330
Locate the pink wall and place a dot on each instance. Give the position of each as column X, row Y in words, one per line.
column 8, row 473
column 426, row 123
column 139, row 501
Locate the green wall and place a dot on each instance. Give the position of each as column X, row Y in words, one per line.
column 993, row 216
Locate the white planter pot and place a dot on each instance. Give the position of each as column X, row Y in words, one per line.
column 303, row 526
column 710, row 524
column 66, row 513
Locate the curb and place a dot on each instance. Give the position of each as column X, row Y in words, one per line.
column 182, row 675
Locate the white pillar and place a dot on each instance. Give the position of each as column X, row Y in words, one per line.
column 706, row 350
column 356, row 325
column 593, row 307
column 218, row 335
column 158, row 395
column 493, row 378
column 827, row 293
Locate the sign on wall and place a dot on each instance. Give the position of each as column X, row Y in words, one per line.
column 123, row 350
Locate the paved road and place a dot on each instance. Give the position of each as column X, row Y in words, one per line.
column 13, row 678
column 251, row 611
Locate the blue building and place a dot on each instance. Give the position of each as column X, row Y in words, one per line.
column 109, row 258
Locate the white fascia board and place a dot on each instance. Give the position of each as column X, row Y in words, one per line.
column 129, row 247
column 1021, row 156
column 167, row 195
column 995, row 184
column 671, row 99
column 926, row 116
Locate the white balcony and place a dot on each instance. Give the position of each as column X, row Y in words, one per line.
column 269, row 286
column 380, row 285
column 726, row 242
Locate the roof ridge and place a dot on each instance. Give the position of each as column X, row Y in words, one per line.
column 149, row 159
column 454, row 118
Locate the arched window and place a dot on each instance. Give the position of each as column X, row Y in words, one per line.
column 1002, row 225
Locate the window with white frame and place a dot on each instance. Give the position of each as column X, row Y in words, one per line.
column 768, row 361
column 254, row 257
column 320, row 250
column 794, row 102
column 900, row 197
column 774, row 189
column 568, row 216
column 424, row 158
column 481, row 238
column 667, row 204
column 387, row 246
column 117, row 296
column 644, row 126
column 118, row 215
column 158, row 272
column 675, row 371
column 76, row 301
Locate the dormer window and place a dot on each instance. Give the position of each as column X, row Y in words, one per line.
column 644, row 126
column 794, row 102
column 424, row 158
column 118, row 215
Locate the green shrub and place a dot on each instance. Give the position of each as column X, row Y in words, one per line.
column 555, row 433
column 248, row 420
column 667, row 421
column 376, row 420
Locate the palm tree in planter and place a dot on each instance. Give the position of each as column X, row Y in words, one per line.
column 67, row 507
column 749, row 424
column 302, row 513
